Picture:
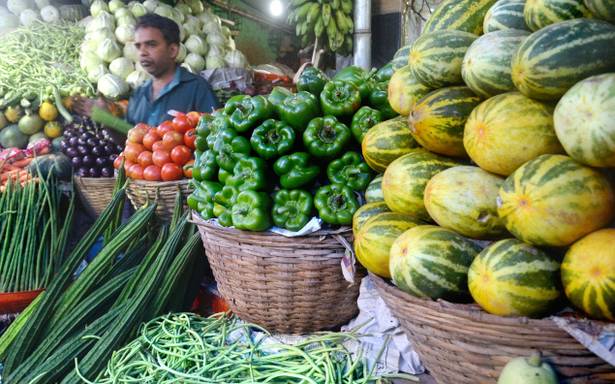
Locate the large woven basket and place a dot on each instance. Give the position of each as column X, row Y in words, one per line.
column 287, row 285
column 461, row 344
column 95, row 192
column 164, row 193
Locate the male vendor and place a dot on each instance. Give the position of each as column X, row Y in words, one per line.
column 171, row 87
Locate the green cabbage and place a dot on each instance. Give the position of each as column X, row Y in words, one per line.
column 114, row 5
column 196, row 62
column 98, row 6
column 94, row 74
column 138, row 9
column 121, row 67
column 196, row 44
column 137, row 79
column 125, row 33
column 131, row 52
column 108, row 50
column 112, row 86
column 50, row 14
column 28, row 17
column 181, row 55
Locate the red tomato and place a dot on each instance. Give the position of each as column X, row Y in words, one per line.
column 181, row 124
column 152, row 173
column 164, row 127
column 118, row 161
column 181, row 154
column 136, row 172
column 150, row 138
column 172, row 139
column 136, row 134
column 161, row 158
column 159, row 146
column 193, row 118
column 187, row 168
column 190, row 138
column 132, row 151
column 145, row 159
column 170, row 172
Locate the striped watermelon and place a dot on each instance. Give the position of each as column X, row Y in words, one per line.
column 438, row 119
column 432, row 262
column 511, row 278
column 486, row 65
column 435, row 58
column 505, row 14
column 405, row 90
column 373, row 242
column 602, row 9
column 461, row 15
column 405, row 179
column 552, row 60
column 540, row 13
column 508, row 130
column 373, row 192
column 385, row 142
column 400, row 59
column 365, row 213
column 464, row 199
column 585, row 121
column 588, row 274
column 553, row 201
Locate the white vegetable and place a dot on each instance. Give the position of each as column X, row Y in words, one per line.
column 121, row 12
column 97, row 72
column 177, row 16
column 164, row 10
column 235, row 59
column 184, row 8
column 226, row 31
column 28, row 17
column 98, row 6
column 121, row 67
column 99, row 35
column 104, row 20
column 89, row 61
column 230, row 44
column 216, row 50
column 138, row 9
column 151, row 5
column 182, row 33
column 40, row 4
column 196, row 62
column 112, row 86
column 115, row 5
column 127, row 20
column 131, row 52
column 108, row 50
column 212, row 27
column 18, row 6
column 192, row 25
column 216, row 39
column 137, row 79
column 196, row 6
column 181, row 55
column 214, row 62
column 188, row 67
column 50, row 14
column 125, row 33
column 208, row 16
column 196, row 44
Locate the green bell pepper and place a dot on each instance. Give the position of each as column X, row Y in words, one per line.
column 249, row 173
column 385, row 73
column 278, row 95
column 379, row 99
column 247, row 112
column 297, row 110
column 295, row 170
column 230, row 147
column 203, row 128
column 350, row 170
column 223, row 205
column 273, row 139
column 205, row 166
column 312, row 80
column 202, row 199
column 223, row 175
column 358, row 77
column 363, row 120
column 336, row 204
column 252, row 211
column 292, row 209
column 325, row 137
column 340, row 99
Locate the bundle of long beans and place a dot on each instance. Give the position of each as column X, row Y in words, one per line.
column 36, row 59
column 34, row 227
column 187, row 348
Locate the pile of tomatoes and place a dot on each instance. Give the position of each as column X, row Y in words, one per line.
column 162, row 153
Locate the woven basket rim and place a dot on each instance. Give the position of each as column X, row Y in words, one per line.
column 200, row 222
column 473, row 311
column 94, row 178
column 159, row 184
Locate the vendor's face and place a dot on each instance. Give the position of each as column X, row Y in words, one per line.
column 156, row 56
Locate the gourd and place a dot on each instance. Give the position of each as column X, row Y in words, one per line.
column 528, row 370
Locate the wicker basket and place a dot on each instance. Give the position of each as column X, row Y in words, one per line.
column 95, row 192
column 287, row 285
column 461, row 344
column 141, row 191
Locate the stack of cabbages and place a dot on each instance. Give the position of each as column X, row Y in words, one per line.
column 111, row 60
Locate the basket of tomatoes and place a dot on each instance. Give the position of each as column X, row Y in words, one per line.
column 158, row 162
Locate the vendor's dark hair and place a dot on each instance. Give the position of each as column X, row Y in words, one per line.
column 169, row 28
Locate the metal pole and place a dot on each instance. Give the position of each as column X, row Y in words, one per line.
column 362, row 51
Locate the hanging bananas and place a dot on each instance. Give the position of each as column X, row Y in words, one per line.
column 328, row 21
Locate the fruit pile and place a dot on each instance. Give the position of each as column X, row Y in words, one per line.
column 278, row 160
column 508, row 137
column 163, row 153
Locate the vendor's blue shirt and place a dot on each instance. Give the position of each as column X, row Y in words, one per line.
column 186, row 92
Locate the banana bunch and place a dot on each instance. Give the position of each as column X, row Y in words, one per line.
column 328, row 21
